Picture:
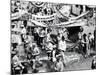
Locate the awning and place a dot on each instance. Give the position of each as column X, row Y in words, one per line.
column 71, row 24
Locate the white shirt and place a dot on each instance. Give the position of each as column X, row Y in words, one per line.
column 62, row 45
column 16, row 39
column 50, row 46
column 91, row 37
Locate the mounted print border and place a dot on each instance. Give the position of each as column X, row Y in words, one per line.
column 52, row 37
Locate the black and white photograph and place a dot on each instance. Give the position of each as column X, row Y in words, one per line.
column 51, row 37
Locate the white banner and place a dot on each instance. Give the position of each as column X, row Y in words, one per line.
column 43, row 18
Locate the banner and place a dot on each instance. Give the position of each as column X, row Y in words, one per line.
column 43, row 18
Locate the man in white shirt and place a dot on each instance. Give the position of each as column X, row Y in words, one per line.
column 62, row 44
column 62, row 47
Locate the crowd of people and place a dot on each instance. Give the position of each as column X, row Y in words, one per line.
column 28, row 49
column 87, row 42
column 28, row 46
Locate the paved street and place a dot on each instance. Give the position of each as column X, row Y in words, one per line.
column 76, row 63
